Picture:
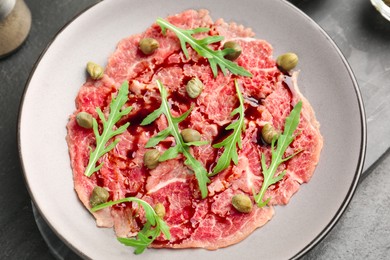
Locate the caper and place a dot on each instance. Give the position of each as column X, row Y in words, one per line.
column 287, row 61
column 151, row 158
column 99, row 195
column 94, row 70
column 160, row 210
column 242, row 203
column 236, row 50
column 190, row 135
column 148, row 45
column 194, row 87
column 84, row 119
column 268, row 133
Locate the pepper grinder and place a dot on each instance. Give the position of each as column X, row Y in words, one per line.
column 15, row 24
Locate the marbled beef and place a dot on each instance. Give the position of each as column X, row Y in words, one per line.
column 194, row 222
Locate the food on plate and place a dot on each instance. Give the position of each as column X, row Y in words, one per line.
column 236, row 50
column 148, row 45
column 94, row 70
column 197, row 133
column 287, row 61
column 84, row 119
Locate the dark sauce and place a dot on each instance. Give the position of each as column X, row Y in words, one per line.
column 181, row 102
column 222, row 134
column 131, row 194
column 166, row 144
column 99, row 180
column 180, row 98
column 288, row 84
column 144, row 109
column 251, row 112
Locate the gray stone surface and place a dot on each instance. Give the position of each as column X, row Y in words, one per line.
column 363, row 232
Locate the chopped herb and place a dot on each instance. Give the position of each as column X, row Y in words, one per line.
column 215, row 57
column 152, row 229
column 181, row 146
column 115, row 115
column 283, row 142
column 231, row 142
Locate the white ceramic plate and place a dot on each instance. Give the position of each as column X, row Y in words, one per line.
column 325, row 79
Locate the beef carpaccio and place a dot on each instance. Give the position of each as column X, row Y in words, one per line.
column 269, row 96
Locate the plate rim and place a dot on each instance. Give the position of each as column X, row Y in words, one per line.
column 351, row 191
column 363, row 145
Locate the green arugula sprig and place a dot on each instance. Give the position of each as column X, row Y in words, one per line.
column 215, row 57
column 152, row 229
column 283, row 142
column 231, row 142
column 181, row 146
column 115, row 115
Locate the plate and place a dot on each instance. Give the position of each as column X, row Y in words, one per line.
column 325, row 79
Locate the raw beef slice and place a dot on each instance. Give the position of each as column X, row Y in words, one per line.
column 194, row 222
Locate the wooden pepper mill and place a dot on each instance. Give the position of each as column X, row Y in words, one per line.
column 15, row 24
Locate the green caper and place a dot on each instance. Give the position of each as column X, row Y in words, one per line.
column 268, row 133
column 287, row 61
column 236, row 50
column 148, row 45
column 99, row 195
column 84, row 119
column 242, row 203
column 94, row 70
column 194, row 87
column 160, row 210
column 190, row 135
column 151, row 158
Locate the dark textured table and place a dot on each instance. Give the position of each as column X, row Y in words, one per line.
column 362, row 35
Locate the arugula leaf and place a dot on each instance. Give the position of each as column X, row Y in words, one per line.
column 231, row 142
column 148, row 234
column 215, row 57
column 181, row 146
column 283, row 142
column 115, row 115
